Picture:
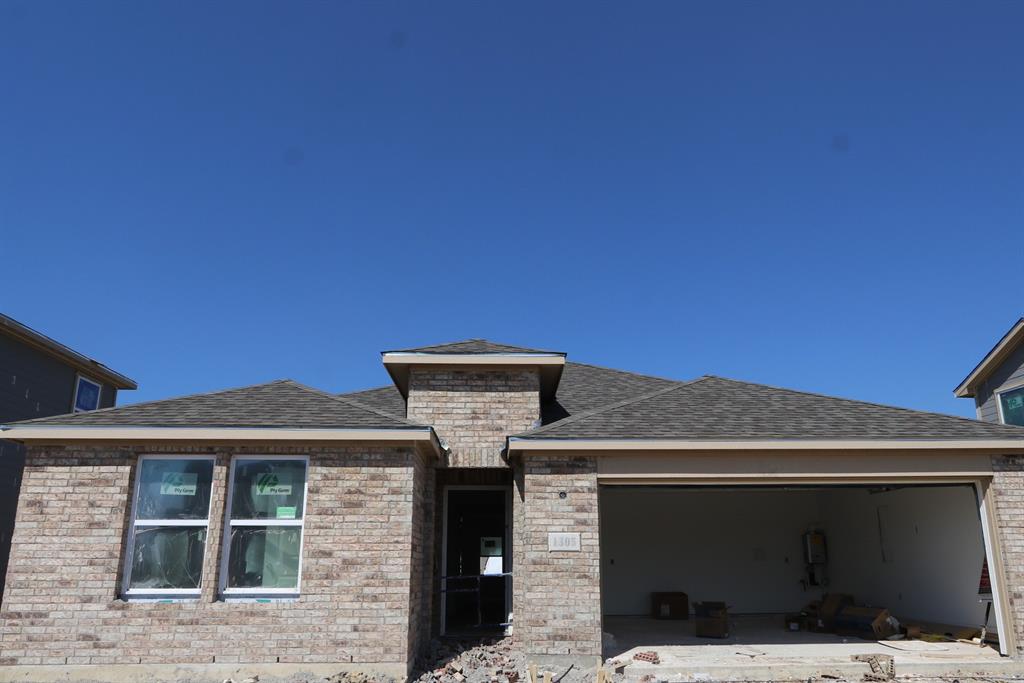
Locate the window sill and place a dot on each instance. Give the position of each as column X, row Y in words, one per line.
column 260, row 598
column 150, row 597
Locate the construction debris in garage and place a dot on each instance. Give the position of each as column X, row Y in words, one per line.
column 712, row 619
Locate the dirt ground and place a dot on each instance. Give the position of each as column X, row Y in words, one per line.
column 497, row 661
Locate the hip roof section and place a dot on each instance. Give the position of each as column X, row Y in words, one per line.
column 281, row 404
column 719, row 409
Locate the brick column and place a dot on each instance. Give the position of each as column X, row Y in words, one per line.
column 557, row 593
column 1007, row 491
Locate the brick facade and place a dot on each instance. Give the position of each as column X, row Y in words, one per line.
column 557, row 594
column 364, row 596
column 475, row 409
column 1008, row 489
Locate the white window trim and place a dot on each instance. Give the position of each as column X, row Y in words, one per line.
column 999, row 398
column 79, row 378
column 143, row 593
column 245, row 593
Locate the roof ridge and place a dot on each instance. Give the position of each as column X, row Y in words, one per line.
column 363, row 391
column 356, row 404
column 630, row 372
column 612, row 406
column 449, row 343
column 196, row 394
column 913, row 411
column 429, row 348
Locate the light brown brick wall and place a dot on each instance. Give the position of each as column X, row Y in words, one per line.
column 475, row 409
column 1008, row 493
column 366, row 528
column 423, row 541
column 557, row 594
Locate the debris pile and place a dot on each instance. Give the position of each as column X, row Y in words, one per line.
column 499, row 661
column 473, row 662
column 358, row 677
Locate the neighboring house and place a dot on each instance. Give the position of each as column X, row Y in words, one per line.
column 486, row 488
column 41, row 377
column 997, row 383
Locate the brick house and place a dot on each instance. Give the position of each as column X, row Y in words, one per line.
column 490, row 488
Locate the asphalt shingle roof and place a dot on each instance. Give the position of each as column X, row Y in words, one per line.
column 714, row 408
column 470, row 346
column 591, row 403
column 387, row 399
column 583, row 387
column 586, row 387
column 283, row 403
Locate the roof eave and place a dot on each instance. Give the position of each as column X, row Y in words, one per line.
column 61, row 433
column 521, row 444
column 1003, row 348
column 93, row 368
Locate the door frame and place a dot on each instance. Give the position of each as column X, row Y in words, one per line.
column 506, row 541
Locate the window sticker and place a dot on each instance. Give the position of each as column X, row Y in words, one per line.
column 178, row 484
column 269, row 484
column 1015, row 402
column 286, row 512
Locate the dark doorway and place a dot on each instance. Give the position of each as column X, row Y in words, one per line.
column 477, row 561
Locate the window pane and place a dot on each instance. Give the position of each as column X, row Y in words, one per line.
column 167, row 557
column 174, row 489
column 1013, row 406
column 264, row 557
column 268, row 489
column 87, row 396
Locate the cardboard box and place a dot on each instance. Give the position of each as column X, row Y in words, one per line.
column 711, row 619
column 831, row 605
column 670, row 606
column 871, row 623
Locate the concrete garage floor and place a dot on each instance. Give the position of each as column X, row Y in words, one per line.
column 760, row 649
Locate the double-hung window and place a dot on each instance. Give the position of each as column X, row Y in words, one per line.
column 170, row 520
column 263, row 534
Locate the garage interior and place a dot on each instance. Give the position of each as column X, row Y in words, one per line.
column 916, row 551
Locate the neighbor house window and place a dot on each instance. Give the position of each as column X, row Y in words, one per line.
column 87, row 395
column 1011, row 406
column 263, row 538
column 170, row 520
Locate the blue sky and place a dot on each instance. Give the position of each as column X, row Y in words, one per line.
column 823, row 196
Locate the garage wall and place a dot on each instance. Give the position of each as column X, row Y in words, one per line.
column 933, row 551
column 742, row 547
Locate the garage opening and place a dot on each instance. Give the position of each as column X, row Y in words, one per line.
column 791, row 570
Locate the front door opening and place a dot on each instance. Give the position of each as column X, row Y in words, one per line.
column 477, row 558
column 769, row 555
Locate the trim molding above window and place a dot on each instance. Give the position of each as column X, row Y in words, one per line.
column 87, row 395
column 170, row 523
column 264, row 525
